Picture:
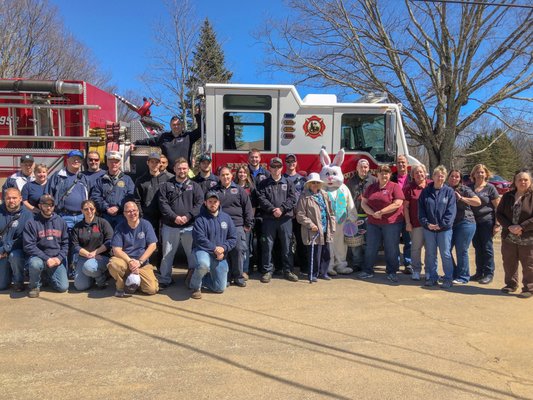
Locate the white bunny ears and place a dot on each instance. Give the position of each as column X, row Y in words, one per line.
column 326, row 161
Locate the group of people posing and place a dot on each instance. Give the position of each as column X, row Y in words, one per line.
column 98, row 222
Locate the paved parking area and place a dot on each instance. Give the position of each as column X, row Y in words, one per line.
column 343, row 339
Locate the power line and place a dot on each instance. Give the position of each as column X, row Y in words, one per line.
column 482, row 3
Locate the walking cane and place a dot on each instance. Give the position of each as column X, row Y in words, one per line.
column 313, row 241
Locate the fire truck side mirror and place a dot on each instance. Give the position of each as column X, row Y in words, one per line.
column 390, row 133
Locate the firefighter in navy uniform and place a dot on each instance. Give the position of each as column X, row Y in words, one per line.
column 205, row 177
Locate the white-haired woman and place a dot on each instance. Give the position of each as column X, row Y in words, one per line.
column 412, row 224
column 315, row 215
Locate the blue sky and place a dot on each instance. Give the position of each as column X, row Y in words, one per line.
column 120, row 34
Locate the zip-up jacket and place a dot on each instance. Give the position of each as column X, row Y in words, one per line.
column 437, row 207
column 298, row 181
column 206, row 183
column 236, row 203
column 259, row 174
column 112, row 191
column 11, row 238
column 180, row 199
column 17, row 180
column 210, row 231
column 174, row 147
column 147, row 192
column 46, row 237
column 69, row 190
column 91, row 236
column 280, row 194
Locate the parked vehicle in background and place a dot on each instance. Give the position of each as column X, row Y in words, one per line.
column 502, row 185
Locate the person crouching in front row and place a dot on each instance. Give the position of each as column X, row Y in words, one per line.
column 214, row 235
column 133, row 243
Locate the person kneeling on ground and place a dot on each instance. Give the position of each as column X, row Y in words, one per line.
column 214, row 235
column 133, row 243
column 45, row 242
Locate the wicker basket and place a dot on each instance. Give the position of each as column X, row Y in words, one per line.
column 354, row 241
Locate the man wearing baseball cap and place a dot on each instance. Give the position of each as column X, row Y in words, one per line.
column 112, row 190
column 277, row 199
column 214, row 235
column 25, row 175
column 147, row 193
column 45, row 241
column 205, row 177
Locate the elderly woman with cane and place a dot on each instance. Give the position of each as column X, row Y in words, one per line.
column 315, row 215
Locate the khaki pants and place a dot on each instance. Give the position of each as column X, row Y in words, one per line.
column 119, row 270
column 511, row 255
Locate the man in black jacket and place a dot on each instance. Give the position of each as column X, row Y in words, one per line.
column 176, row 143
column 147, row 194
column 180, row 200
column 277, row 199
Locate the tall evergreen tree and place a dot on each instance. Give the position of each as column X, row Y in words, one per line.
column 502, row 157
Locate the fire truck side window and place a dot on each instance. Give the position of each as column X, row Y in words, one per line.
column 365, row 132
column 247, row 130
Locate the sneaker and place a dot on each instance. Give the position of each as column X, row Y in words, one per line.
column 415, row 276
column 240, row 282
column 313, row 279
column 290, row 276
column 266, row 278
column 18, row 287
column 476, row 277
column 408, row 270
column 486, row 279
column 163, row 286
column 102, row 286
column 33, row 293
column 525, row 295
column 446, row 284
column 196, row 294
column 121, row 294
column 509, row 289
column 430, row 282
column 326, row 277
column 245, row 276
column 459, row 282
column 392, row 277
column 364, row 275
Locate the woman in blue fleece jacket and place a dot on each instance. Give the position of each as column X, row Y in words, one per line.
column 214, row 235
column 436, row 213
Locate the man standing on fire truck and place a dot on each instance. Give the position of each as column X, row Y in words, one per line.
column 176, row 143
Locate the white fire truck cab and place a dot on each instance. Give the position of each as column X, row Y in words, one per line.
column 276, row 121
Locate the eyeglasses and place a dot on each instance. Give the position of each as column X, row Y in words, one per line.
column 93, row 160
column 276, row 166
column 291, row 162
column 88, row 209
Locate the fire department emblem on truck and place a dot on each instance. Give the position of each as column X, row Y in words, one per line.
column 314, row 127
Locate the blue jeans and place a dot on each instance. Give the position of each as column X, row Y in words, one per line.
column 462, row 236
column 72, row 220
column 56, row 275
column 89, row 270
column 209, row 272
column 389, row 235
column 482, row 242
column 12, row 267
column 441, row 240
column 113, row 220
column 406, row 238
column 356, row 255
column 171, row 238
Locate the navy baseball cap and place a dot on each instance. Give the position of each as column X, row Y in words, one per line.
column 75, row 153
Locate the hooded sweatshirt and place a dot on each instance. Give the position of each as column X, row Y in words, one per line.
column 210, row 231
column 11, row 239
column 46, row 237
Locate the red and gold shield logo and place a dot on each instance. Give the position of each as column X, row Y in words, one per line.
column 314, row 127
